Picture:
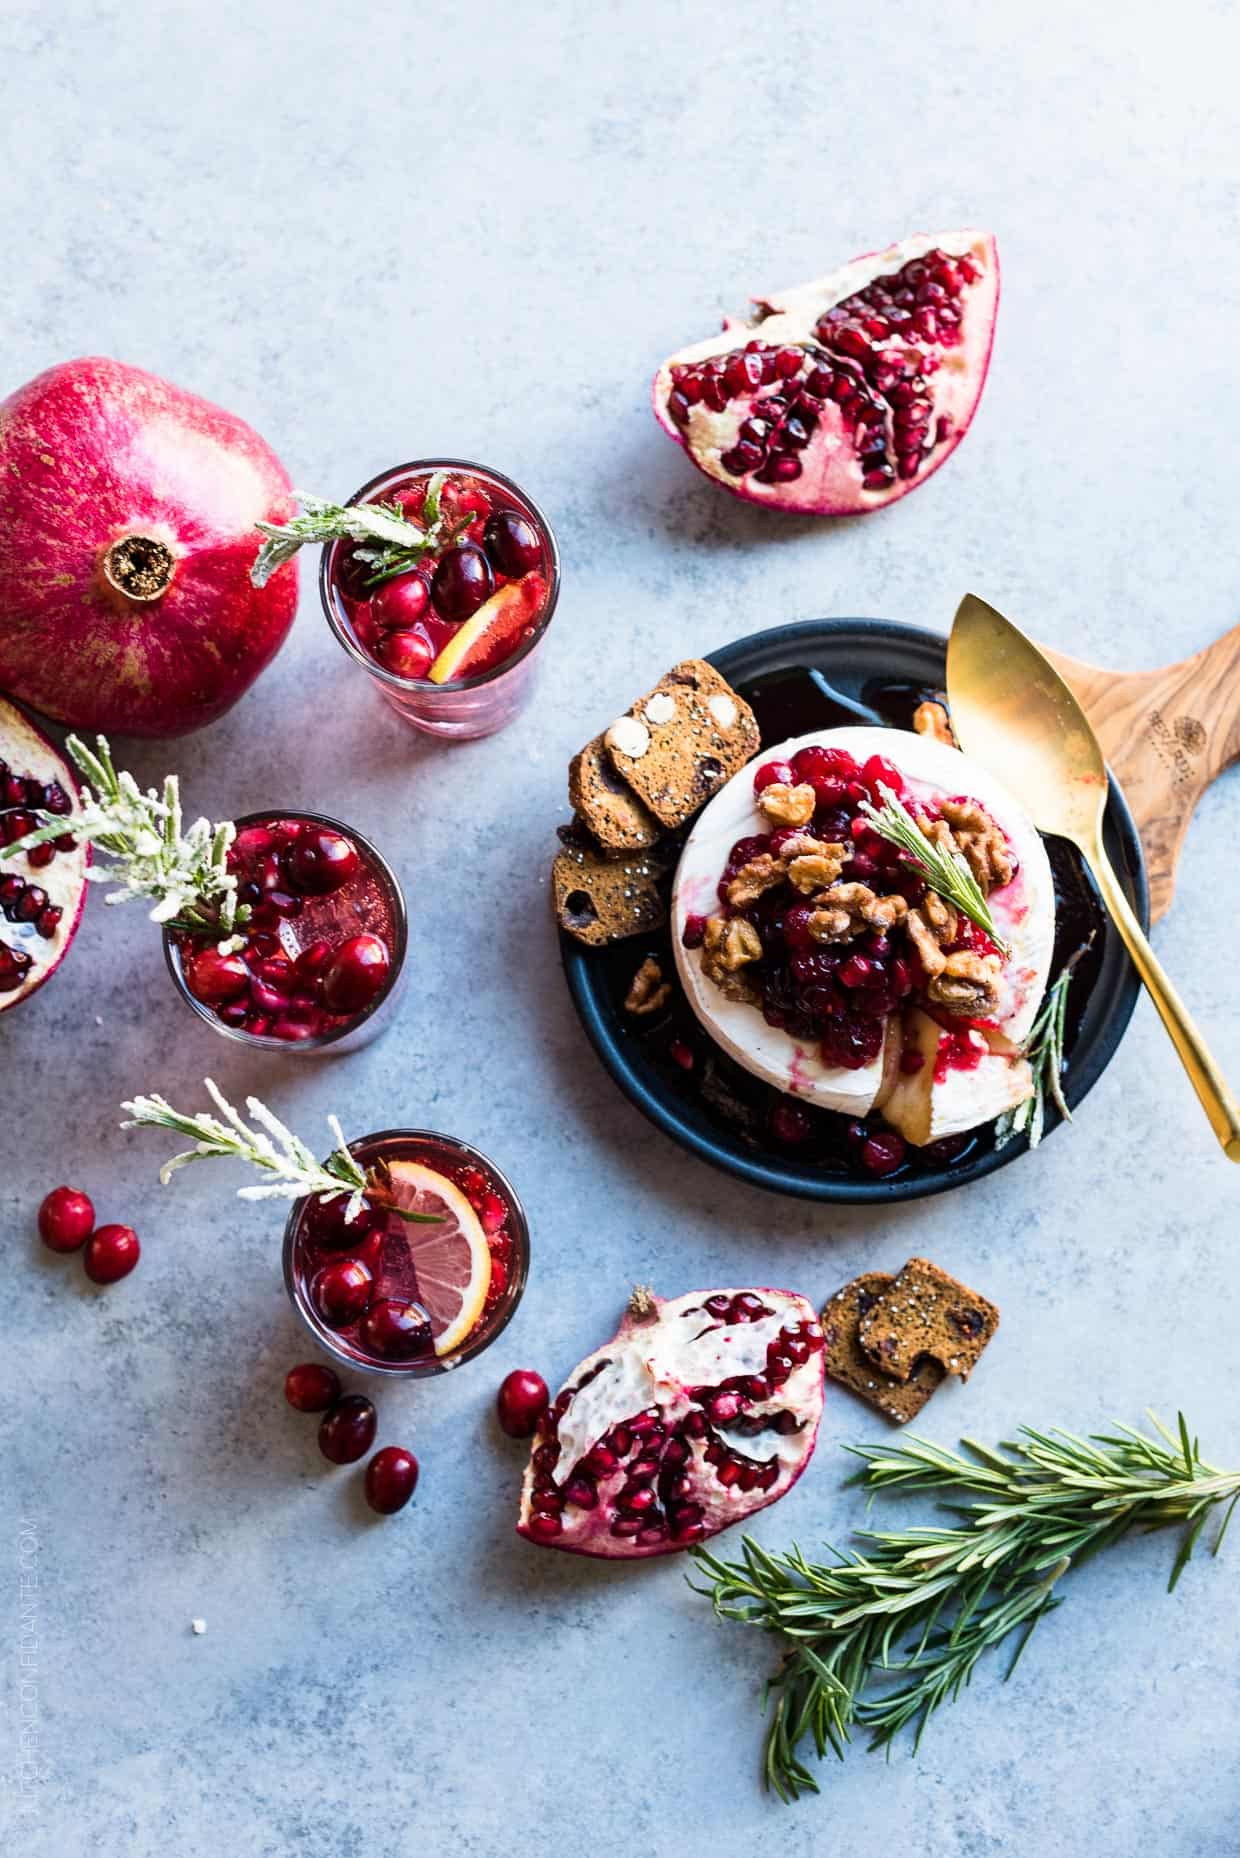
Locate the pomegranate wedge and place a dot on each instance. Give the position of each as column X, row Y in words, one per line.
column 840, row 396
column 700, row 1411
column 41, row 892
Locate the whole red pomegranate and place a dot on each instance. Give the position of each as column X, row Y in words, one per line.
column 840, row 396
column 127, row 512
column 698, row 1412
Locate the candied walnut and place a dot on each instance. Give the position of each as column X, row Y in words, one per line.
column 932, row 719
column 815, row 868
column 729, row 945
column 845, row 910
column 788, row 806
column 648, row 991
column 933, row 923
column 968, row 985
column 985, row 849
column 759, row 875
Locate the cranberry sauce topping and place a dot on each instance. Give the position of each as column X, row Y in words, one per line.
column 320, row 941
column 837, row 995
column 691, row 1067
column 491, row 541
column 361, row 1278
column 882, row 392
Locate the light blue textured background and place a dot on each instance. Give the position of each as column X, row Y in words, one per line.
column 475, row 229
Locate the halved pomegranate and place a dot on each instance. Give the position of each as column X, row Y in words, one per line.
column 41, row 892
column 700, row 1411
column 842, row 395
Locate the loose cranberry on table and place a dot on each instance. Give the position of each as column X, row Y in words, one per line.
column 391, row 1479
column 66, row 1220
column 347, row 1430
column 311, row 1388
column 111, row 1253
column 521, row 1402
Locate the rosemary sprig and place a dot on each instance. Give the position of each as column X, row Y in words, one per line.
column 944, row 871
column 393, row 543
column 882, row 1637
column 269, row 1146
column 150, row 852
column 1043, row 1047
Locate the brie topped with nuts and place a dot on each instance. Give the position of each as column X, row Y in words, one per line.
column 943, row 1095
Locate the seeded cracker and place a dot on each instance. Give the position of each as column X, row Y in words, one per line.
column 600, row 900
column 676, row 746
column 926, row 1312
column 617, row 818
column 847, row 1363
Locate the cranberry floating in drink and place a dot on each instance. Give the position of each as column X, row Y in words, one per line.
column 429, row 1295
column 439, row 578
column 322, row 945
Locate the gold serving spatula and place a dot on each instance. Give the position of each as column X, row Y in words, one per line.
column 1013, row 712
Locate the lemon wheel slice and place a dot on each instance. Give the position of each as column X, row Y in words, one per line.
column 498, row 622
column 451, row 1259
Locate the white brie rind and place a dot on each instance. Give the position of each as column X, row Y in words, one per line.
column 1024, row 912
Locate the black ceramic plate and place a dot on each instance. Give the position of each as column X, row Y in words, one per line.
column 819, row 674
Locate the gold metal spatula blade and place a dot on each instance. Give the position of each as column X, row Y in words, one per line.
column 1013, row 712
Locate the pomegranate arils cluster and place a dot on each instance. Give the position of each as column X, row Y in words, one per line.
column 21, row 901
column 701, row 1411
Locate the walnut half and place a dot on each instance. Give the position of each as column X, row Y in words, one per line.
column 845, row 910
column 729, row 945
column 648, row 991
column 968, row 985
column 788, row 806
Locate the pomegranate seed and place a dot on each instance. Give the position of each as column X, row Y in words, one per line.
column 581, row 1491
column 747, row 1308
column 678, row 404
column 742, row 373
column 341, row 1291
column 66, row 1219
column 312, row 960
column 322, row 861
column 30, row 905
column 718, row 1305
column 521, row 1402
column 627, row 1525
column 39, row 856
column 788, row 362
column 395, row 1330
column 311, row 1388
column 391, row 1479
column 347, row 1430
column 111, row 1253
column 357, row 974
column 544, row 1527
column 680, row 1054
column 728, row 1472
column 724, row 1408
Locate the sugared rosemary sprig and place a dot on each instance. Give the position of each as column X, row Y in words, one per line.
column 393, row 544
column 944, row 871
column 150, row 852
column 269, row 1146
column 881, row 1638
column 1043, row 1047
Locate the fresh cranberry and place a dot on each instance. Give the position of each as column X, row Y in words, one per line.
column 694, row 932
column 828, row 770
column 214, row 978
column 347, row 1430
column 772, row 773
column 358, row 971
column 402, row 602
column 311, row 1388
column 463, row 581
column 111, row 1253
column 879, row 772
column 341, row 1291
column 394, row 1330
column 521, row 1402
column 511, row 542
column 331, row 1224
column 791, row 1124
column 320, row 861
column 391, row 1479
column 406, row 654
column 312, row 960
column 883, row 1152
column 66, row 1219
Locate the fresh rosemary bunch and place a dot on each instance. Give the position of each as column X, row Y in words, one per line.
column 944, row 871
column 881, row 1638
column 393, row 544
column 151, row 853
column 268, row 1145
column 1043, row 1047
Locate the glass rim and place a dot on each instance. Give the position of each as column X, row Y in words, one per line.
column 482, row 1337
column 319, row 1041
column 480, row 679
